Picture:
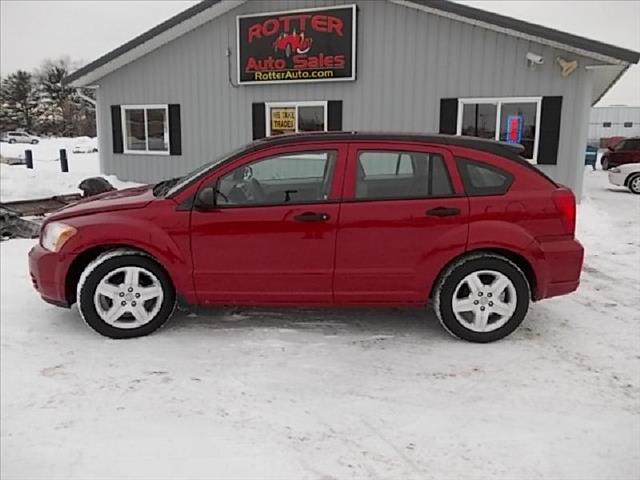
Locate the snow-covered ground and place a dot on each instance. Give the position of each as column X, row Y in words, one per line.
column 17, row 182
column 311, row 394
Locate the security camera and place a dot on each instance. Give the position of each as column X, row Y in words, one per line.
column 534, row 59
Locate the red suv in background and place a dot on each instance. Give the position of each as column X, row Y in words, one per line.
column 626, row 151
column 322, row 219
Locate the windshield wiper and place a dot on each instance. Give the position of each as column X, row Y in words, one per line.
column 161, row 188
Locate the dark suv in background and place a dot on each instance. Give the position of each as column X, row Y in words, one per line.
column 627, row 151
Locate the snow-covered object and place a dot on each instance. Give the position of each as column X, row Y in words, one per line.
column 319, row 394
column 46, row 179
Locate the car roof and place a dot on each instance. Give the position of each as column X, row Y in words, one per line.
column 509, row 150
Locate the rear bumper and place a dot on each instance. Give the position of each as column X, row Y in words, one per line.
column 48, row 272
column 562, row 260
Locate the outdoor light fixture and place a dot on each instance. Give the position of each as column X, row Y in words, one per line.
column 568, row 67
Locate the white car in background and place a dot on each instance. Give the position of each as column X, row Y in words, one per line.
column 19, row 137
column 627, row 175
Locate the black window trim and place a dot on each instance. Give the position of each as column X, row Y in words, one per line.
column 466, row 182
column 429, row 186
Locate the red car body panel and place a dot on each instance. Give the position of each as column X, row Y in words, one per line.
column 626, row 150
column 367, row 252
column 388, row 250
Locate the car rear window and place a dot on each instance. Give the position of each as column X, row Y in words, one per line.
column 401, row 174
column 483, row 179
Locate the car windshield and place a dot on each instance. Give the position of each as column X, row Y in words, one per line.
column 167, row 188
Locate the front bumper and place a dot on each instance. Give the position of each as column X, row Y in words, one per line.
column 48, row 273
column 617, row 178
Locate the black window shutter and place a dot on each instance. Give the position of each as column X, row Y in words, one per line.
column 175, row 130
column 258, row 120
column 449, row 115
column 549, row 130
column 334, row 115
column 116, row 129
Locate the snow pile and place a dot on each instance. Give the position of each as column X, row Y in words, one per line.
column 47, row 150
column 17, row 182
column 319, row 394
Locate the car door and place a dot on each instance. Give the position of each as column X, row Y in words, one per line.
column 271, row 237
column 403, row 215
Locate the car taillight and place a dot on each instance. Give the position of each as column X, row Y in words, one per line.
column 565, row 203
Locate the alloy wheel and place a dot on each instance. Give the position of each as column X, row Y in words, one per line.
column 128, row 297
column 484, row 300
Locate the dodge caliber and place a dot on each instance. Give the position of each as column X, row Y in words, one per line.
column 323, row 219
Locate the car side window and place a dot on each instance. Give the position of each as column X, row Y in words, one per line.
column 303, row 177
column 483, row 179
column 401, row 174
column 632, row 145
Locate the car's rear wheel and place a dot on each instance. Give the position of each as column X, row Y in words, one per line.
column 482, row 298
column 124, row 294
column 634, row 184
column 12, row 140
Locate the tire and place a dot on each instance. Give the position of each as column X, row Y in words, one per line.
column 12, row 140
column 138, row 317
column 454, row 286
column 605, row 163
column 634, row 184
column 34, row 142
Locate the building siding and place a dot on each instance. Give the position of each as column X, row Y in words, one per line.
column 407, row 61
column 617, row 115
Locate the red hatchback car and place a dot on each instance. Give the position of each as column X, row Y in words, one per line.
column 322, row 219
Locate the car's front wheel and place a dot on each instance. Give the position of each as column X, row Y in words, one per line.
column 634, row 184
column 124, row 294
column 605, row 163
column 482, row 298
column 34, row 141
column 12, row 140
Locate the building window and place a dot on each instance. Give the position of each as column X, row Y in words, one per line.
column 294, row 117
column 628, row 124
column 145, row 129
column 606, row 124
column 511, row 120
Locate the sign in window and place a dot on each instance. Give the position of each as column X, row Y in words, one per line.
column 294, row 117
column 511, row 120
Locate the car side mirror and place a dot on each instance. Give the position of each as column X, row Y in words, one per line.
column 205, row 199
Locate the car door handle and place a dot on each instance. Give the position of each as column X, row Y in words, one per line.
column 312, row 217
column 443, row 212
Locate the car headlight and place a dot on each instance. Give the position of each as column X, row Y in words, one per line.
column 55, row 235
column 614, row 170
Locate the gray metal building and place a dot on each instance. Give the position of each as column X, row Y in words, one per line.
column 613, row 121
column 170, row 99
